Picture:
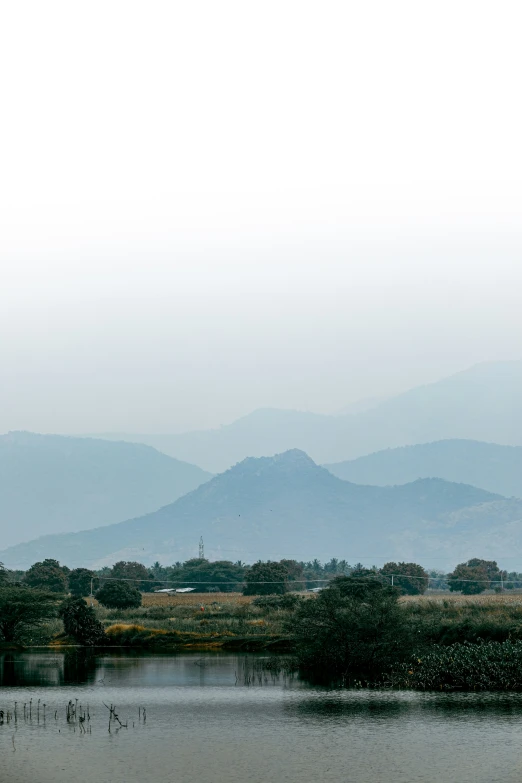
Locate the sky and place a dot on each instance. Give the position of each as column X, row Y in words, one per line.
column 206, row 208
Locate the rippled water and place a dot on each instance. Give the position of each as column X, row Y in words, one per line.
column 212, row 718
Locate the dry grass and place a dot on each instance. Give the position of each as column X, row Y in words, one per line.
column 195, row 600
column 493, row 600
column 198, row 615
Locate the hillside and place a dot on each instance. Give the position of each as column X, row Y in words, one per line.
column 486, row 465
column 287, row 506
column 482, row 403
column 51, row 483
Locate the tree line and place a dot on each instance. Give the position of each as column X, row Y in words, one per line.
column 262, row 578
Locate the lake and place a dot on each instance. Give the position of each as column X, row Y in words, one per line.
column 214, row 717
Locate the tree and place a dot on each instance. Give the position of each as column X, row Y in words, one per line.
column 118, row 595
column 474, row 577
column 47, row 575
column 125, row 569
column 80, row 582
column 266, row 579
column 352, row 630
column 410, row 578
column 221, row 575
column 79, row 621
column 3, row 575
column 296, row 579
column 22, row 608
column 367, row 575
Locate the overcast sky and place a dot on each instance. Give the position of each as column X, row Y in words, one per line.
column 208, row 207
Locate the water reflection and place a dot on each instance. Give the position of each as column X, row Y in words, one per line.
column 123, row 668
column 49, row 669
column 219, row 716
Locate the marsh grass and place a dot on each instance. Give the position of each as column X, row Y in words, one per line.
column 448, row 620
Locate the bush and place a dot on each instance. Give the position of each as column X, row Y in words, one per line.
column 79, row 621
column 288, row 601
column 495, row 666
column 118, row 595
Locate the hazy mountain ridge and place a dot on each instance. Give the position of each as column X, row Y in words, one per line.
column 481, row 403
column 52, row 483
column 282, row 506
column 486, row 465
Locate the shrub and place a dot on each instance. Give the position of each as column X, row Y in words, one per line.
column 118, row 595
column 488, row 666
column 288, row 601
column 79, row 621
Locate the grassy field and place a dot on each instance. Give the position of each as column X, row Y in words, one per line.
column 220, row 617
column 230, row 618
column 485, row 599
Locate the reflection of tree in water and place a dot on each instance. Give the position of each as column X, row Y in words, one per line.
column 359, row 706
column 79, row 666
column 253, row 670
column 68, row 667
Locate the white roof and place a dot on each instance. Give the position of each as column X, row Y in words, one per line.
column 175, row 590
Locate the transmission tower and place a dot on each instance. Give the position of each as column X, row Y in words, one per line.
column 201, row 549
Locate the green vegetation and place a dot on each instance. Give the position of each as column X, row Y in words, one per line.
column 412, row 579
column 475, row 576
column 131, row 570
column 118, row 595
column 489, row 666
column 81, row 580
column 80, row 623
column 367, row 626
column 47, row 575
column 205, row 576
column 23, row 609
column 267, row 579
column 353, row 631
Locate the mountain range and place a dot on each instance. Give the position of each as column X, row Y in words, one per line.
column 485, row 465
column 481, row 403
column 287, row 506
column 57, row 484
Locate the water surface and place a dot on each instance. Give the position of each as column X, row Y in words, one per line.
column 215, row 717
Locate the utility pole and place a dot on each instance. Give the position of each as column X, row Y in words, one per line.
column 201, row 549
column 92, row 604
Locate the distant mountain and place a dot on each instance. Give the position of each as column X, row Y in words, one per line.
column 51, row 483
column 482, row 403
column 486, row 465
column 360, row 406
column 287, row 506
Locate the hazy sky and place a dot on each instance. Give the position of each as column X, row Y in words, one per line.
column 210, row 207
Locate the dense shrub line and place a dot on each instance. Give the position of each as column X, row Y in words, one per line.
column 488, row 666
